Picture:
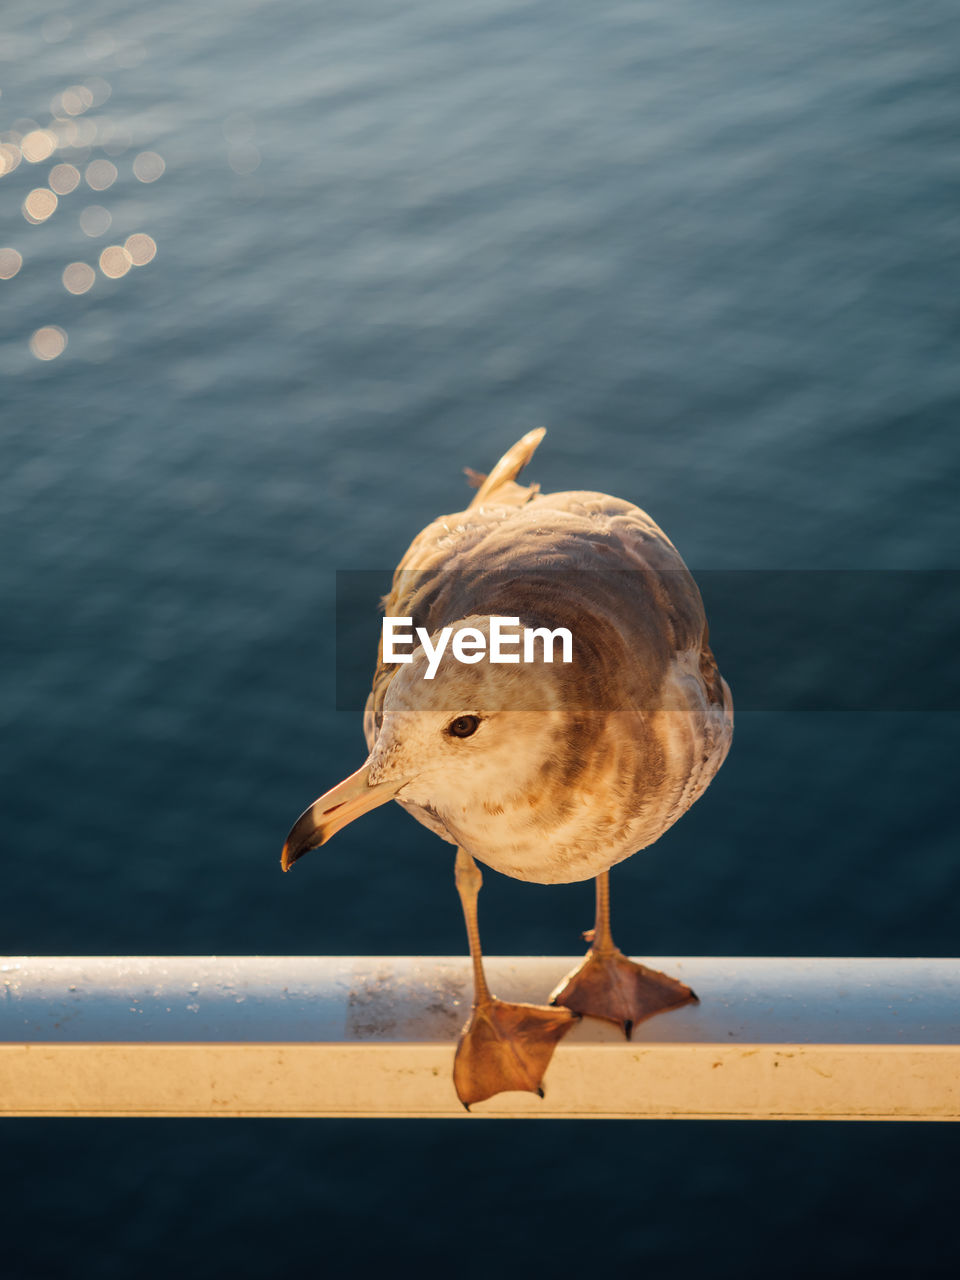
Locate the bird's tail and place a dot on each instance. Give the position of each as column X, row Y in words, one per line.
column 498, row 485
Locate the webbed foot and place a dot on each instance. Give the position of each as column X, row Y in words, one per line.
column 609, row 985
column 507, row 1047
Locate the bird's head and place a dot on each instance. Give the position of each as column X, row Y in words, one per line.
column 483, row 747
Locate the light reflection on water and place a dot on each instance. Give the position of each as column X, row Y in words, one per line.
column 78, row 277
column 49, row 342
column 73, row 138
column 64, row 178
column 10, row 263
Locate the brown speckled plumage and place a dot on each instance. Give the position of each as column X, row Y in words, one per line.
column 619, row 743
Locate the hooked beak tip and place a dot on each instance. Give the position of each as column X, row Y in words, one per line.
column 294, row 849
column 334, row 810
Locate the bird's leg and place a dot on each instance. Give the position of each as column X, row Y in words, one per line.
column 503, row 1046
column 608, row 985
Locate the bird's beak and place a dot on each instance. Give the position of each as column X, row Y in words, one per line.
column 355, row 795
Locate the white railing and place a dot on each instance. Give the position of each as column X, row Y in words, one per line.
column 841, row 1039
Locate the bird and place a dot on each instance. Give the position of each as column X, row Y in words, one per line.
column 546, row 771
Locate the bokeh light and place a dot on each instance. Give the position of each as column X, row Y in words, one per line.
column 100, row 174
column 148, row 166
column 64, row 178
column 66, row 131
column 99, row 89
column 10, row 263
column 72, row 102
column 95, row 220
column 75, row 134
column 86, row 132
column 10, row 157
column 39, row 205
column 78, row 277
column 88, row 144
column 141, row 248
column 49, row 342
column 115, row 261
column 38, row 145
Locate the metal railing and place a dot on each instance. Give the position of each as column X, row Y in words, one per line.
column 772, row 1038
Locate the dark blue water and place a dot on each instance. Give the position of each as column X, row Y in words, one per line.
column 714, row 248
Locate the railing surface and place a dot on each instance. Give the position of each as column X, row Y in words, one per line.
column 772, row 1038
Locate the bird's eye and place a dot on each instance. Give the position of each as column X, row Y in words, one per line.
column 463, row 726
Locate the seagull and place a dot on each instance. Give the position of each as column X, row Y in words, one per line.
column 545, row 770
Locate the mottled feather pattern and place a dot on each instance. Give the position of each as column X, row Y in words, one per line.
column 647, row 716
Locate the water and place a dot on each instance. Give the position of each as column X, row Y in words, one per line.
column 715, row 251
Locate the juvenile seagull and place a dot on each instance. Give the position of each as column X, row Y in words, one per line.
column 544, row 770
